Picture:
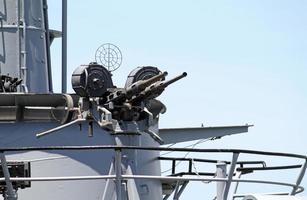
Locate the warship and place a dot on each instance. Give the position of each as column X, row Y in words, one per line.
column 104, row 141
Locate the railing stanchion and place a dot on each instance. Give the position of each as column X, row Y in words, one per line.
column 176, row 190
column 118, row 173
column 230, row 175
column 220, row 185
column 238, row 176
column 10, row 192
column 300, row 178
column 174, row 167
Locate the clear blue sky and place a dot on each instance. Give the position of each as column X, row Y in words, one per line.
column 246, row 61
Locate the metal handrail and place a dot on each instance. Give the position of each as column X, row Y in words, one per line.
column 118, row 177
column 210, row 160
column 96, row 147
column 169, row 178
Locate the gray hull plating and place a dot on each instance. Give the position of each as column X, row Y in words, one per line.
column 81, row 163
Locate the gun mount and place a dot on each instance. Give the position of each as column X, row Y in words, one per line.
column 100, row 101
column 9, row 84
column 133, row 102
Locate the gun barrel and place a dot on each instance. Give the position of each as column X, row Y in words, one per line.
column 154, row 79
column 167, row 83
column 142, row 84
column 156, row 89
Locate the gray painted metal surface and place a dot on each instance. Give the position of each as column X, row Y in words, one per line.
column 174, row 135
column 23, row 44
column 64, row 163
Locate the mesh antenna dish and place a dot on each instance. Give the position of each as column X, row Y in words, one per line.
column 109, row 56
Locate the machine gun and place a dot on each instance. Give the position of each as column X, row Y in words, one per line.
column 122, row 95
column 142, row 90
column 100, row 101
column 130, row 103
column 155, row 89
column 9, row 84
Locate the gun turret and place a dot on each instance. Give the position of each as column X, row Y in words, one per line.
column 155, row 89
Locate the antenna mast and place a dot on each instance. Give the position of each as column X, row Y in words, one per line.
column 64, row 46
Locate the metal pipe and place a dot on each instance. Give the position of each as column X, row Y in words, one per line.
column 33, row 148
column 206, row 179
column 118, row 173
column 60, row 178
column 41, row 134
column 238, row 176
column 169, row 178
column 107, row 189
column 176, row 190
column 47, row 35
column 300, row 178
column 166, row 197
column 19, row 40
column 184, row 185
column 127, row 177
column 24, row 51
column 220, row 173
column 173, row 166
column 10, row 192
column 64, row 46
column 244, row 195
column 10, row 27
column 230, row 174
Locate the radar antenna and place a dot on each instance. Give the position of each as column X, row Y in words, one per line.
column 109, row 56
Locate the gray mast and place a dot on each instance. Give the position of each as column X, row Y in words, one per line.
column 64, row 46
column 24, row 45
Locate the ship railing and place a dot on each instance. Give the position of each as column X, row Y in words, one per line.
column 224, row 180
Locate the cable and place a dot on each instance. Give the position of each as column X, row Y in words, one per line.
column 193, row 146
column 176, row 163
column 196, row 172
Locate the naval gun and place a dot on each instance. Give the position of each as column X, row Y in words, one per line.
column 102, row 102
